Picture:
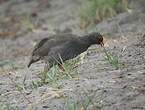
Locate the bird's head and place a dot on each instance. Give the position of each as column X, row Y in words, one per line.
column 96, row 38
column 34, row 58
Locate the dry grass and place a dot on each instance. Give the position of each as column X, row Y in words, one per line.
column 94, row 11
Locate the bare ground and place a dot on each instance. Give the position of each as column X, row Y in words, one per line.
column 106, row 87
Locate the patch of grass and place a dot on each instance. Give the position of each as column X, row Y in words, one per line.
column 36, row 84
column 55, row 75
column 94, row 11
column 85, row 103
column 27, row 23
column 74, row 105
column 113, row 59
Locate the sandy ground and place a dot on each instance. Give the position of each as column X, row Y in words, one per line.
column 105, row 87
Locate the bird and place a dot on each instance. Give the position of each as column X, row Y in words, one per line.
column 57, row 48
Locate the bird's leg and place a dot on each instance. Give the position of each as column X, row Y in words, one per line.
column 46, row 67
column 61, row 67
column 44, row 74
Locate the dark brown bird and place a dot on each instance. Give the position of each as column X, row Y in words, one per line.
column 63, row 47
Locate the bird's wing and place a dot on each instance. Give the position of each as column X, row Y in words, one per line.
column 44, row 46
column 65, row 51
